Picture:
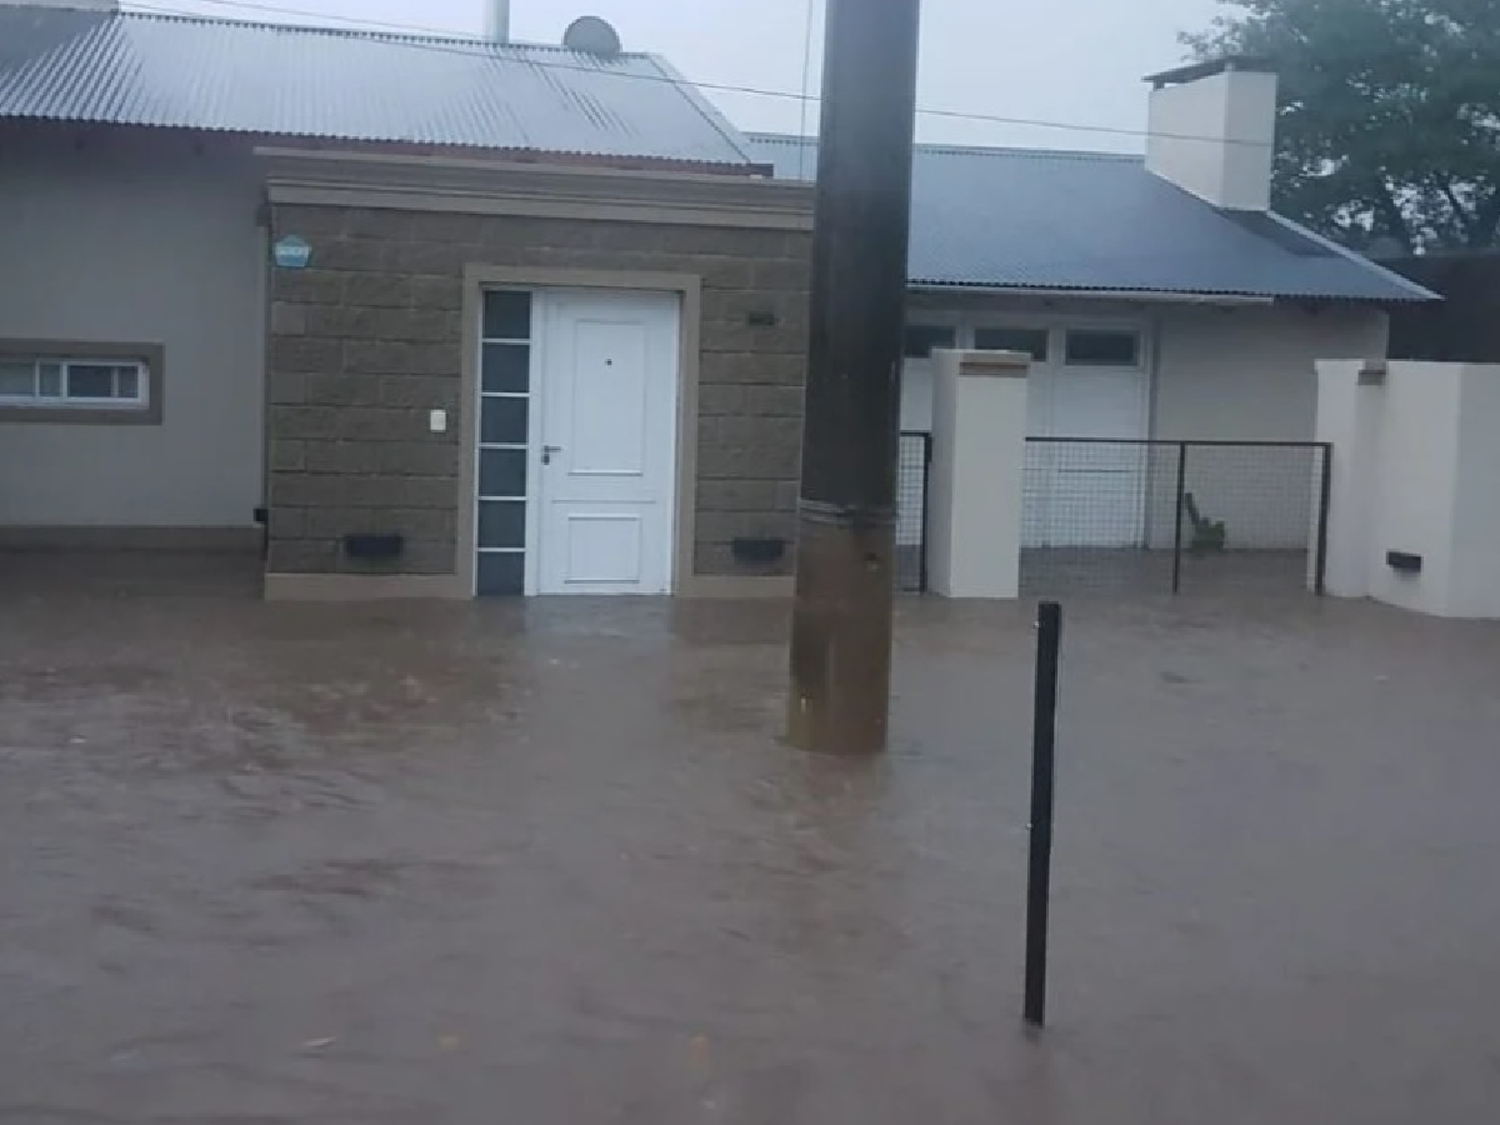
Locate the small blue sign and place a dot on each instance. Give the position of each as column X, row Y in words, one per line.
column 292, row 253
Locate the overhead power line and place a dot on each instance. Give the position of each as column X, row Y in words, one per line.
column 807, row 61
column 447, row 41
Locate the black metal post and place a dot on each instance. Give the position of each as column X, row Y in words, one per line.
column 1325, row 500
column 1039, row 861
column 1181, row 511
column 846, row 544
column 926, row 506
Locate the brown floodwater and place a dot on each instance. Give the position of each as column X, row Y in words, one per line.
column 551, row 863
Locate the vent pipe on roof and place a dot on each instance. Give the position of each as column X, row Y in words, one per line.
column 497, row 21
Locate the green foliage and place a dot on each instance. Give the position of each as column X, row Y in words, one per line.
column 1390, row 118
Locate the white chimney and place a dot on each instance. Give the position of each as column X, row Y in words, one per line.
column 497, row 21
column 1213, row 131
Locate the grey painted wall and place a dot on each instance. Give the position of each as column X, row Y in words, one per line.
column 125, row 236
column 1249, row 374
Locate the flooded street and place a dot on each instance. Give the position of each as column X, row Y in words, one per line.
column 549, row 863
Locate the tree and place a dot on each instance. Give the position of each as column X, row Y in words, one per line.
column 1389, row 127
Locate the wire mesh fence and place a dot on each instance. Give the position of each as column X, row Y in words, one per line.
column 911, row 512
column 1170, row 516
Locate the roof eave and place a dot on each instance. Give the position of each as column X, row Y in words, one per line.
column 1156, row 296
column 623, row 161
column 1420, row 294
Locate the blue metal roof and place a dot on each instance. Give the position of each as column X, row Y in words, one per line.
column 139, row 69
column 1037, row 219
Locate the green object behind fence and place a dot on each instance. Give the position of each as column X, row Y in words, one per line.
column 1208, row 535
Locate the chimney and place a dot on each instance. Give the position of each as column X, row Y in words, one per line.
column 1213, row 131
column 497, row 21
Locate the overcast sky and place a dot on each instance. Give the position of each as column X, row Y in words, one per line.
column 1073, row 61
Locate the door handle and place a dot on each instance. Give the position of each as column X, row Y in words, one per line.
column 548, row 451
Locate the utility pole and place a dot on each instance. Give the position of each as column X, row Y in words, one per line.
column 841, row 629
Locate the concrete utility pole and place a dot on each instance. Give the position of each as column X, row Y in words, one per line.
column 841, row 631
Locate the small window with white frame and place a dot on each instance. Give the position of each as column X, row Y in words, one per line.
column 56, row 381
column 919, row 340
column 1029, row 341
column 1103, row 347
column 48, row 381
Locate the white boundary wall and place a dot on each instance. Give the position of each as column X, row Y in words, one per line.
column 1415, row 466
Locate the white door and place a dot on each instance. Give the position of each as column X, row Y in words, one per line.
column 1089, row 493
column 1098, row 492
column 607, row 451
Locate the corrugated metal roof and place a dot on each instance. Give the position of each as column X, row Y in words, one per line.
column 1037, row 219
column 139, row 69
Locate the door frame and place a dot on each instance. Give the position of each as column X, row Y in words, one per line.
column 543, row 324
column 480, row 278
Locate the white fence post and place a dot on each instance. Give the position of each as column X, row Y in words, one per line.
column 978, row 466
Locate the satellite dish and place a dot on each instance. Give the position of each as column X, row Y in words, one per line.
column 590, row 35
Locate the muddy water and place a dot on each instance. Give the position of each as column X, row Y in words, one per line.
column 550, row 864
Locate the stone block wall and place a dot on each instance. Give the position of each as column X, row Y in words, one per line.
column 369, row 338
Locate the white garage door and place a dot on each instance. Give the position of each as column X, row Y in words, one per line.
column 1085, row 383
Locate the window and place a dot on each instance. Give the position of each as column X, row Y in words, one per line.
column 1028, row 341
column 922, row 338
column 1095, row 347
column 63, row 382
column 504, row 437
column 507, row 315
column 50, row 381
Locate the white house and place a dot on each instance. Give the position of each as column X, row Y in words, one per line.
column 1158, row 295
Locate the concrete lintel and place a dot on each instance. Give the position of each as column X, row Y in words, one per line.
column 993, row 365
column 534, row 191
